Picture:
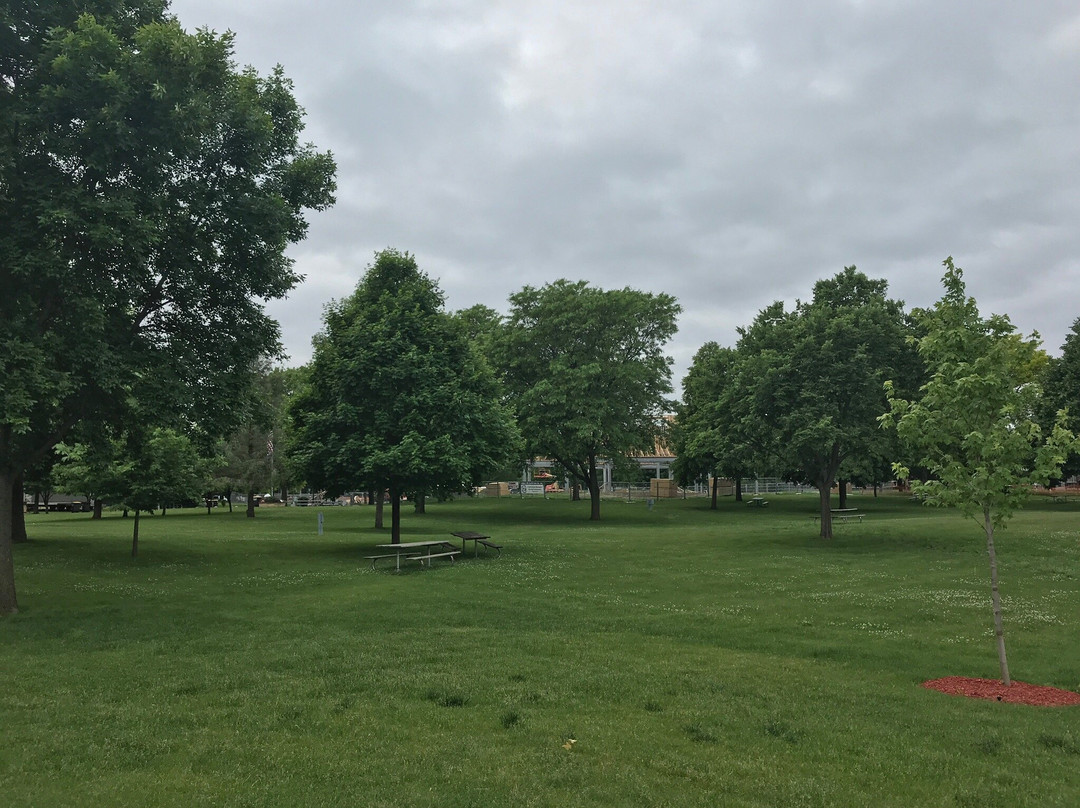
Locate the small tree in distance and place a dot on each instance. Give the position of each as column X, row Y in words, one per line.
column 975, row 428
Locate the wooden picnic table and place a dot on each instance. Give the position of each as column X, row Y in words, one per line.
column 414, row 551
column 477, row 539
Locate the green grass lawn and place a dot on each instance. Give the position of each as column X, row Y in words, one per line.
column 696, row 657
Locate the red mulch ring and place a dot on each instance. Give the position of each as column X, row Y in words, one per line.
column 1016, row 693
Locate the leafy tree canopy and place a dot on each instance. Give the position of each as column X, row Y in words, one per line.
column 586, row 372
column 807, row 388
column 148, row 190
column 975, row 425
column 1061, row 391
column 709, row 436
column 397, row 398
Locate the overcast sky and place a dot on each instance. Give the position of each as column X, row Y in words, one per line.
column 729, row 153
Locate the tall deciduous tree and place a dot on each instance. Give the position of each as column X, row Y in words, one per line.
column 975, row 427
column 397, row 399
column 148, row 190
column 809, row 381
column 586, row 372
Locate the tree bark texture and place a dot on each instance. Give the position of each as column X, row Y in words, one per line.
column 825, row 498
column 825, row 480
column 594, row 490
column 8, row 602
column 97, row 508
column 378, row 510
column 995, row 596
column 420, row 504
column 842, row 485
column 250, row 504
column 18, row 513
column 135, row 536
column 395, row 516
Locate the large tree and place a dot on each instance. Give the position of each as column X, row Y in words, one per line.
column 397, row 399
column 148, row 190
column 586, row 373
column 975, row 425
column 809, row 381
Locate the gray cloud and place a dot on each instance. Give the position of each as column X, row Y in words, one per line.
column 729, row 153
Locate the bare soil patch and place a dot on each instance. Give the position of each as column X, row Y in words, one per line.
column 1016, row 693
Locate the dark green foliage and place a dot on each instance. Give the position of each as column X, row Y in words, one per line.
column 148, row 190
column 709, row 437
column 397, row 398
column 807, row 388
column 1061, row 391
column 586, row 373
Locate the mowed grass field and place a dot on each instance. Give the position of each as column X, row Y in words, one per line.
column 696, row 658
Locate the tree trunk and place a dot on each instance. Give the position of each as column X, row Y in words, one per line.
column 575, row 492
column 825, row 498
column 162, row 510
column 284, row 494
column 420, row 504
column 378, row 510
column 250, row 504
column 842, row 484
column 135, row 536
column 715, row 487
column 594, row 490
column 995, row 596
column 8, row 602
column 97, row 508
column 18, row 513
column 395, row 516
column 228, row 498
column 738, row 489
column 124, row 515
column 875, row 490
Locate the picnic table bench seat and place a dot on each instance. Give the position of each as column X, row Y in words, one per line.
column 374, row 558
column 422, row 557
